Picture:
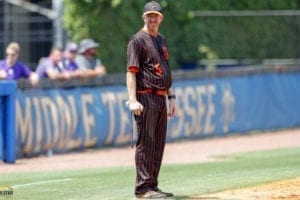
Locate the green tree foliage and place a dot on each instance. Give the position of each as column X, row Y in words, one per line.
column 113, row 22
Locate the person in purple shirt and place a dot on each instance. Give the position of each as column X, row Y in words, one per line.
column 49, row 67
column 68, row 60
column 12, row 69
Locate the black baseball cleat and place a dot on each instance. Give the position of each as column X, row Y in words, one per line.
column 168, row 194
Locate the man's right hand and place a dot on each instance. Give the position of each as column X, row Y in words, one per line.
column 3, row 74
column 135, row 107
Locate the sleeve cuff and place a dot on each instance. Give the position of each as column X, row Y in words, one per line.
column 134, row 69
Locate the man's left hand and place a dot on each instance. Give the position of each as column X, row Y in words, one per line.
column 172, row 107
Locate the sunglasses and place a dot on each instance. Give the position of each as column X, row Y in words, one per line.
column 11, row 54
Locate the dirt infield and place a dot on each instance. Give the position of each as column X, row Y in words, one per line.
column 181, row 152
column 280, row 190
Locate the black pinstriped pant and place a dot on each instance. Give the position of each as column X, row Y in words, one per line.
column 151, row 130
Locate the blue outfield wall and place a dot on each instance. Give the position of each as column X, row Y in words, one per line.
column 76, row 118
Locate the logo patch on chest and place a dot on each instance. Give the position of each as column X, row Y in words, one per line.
column 158, row 70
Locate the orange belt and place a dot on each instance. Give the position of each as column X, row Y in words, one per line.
column 154, row 91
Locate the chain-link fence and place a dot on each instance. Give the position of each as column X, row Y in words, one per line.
column 22, row 22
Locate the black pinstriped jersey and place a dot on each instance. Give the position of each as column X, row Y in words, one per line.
column 148, row 56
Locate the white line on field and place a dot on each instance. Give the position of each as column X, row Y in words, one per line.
column 41, row 183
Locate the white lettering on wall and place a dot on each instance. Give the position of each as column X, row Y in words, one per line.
column 209, row 127
column 201, row 93
column 44, row 123
column 123, row 137
column 49, row 112
column 38, row 124
column 115, row 103
column 88, row 119
column 190, row 111
column 228, row 102
column 176, row 129
column 110, row 100
column 51, row 122
column 69, row 120
column 24, row 125
column 196, row 108
column 70, row 142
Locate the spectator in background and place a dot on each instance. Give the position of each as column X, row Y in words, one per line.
column 49, row 67
column 87, row 60
column 12, row 69
column 68, row 60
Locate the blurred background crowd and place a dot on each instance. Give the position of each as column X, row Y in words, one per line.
column 71, row 62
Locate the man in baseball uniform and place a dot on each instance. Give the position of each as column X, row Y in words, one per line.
column 149, row 81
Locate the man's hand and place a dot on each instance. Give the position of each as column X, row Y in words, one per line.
column 3, row 74
column 135, row 107
column 34, row 78
column 172, row 108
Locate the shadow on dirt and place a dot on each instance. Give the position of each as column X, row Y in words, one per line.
column 194, row 198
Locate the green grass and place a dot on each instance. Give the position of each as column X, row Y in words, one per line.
column 185, row 180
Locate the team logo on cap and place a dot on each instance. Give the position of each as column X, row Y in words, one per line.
column 153, row 6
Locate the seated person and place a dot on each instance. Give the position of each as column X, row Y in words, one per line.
column 49, row 67
column 87, row 60
column 12, row 69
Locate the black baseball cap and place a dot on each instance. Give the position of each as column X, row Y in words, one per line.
column 152, row 7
